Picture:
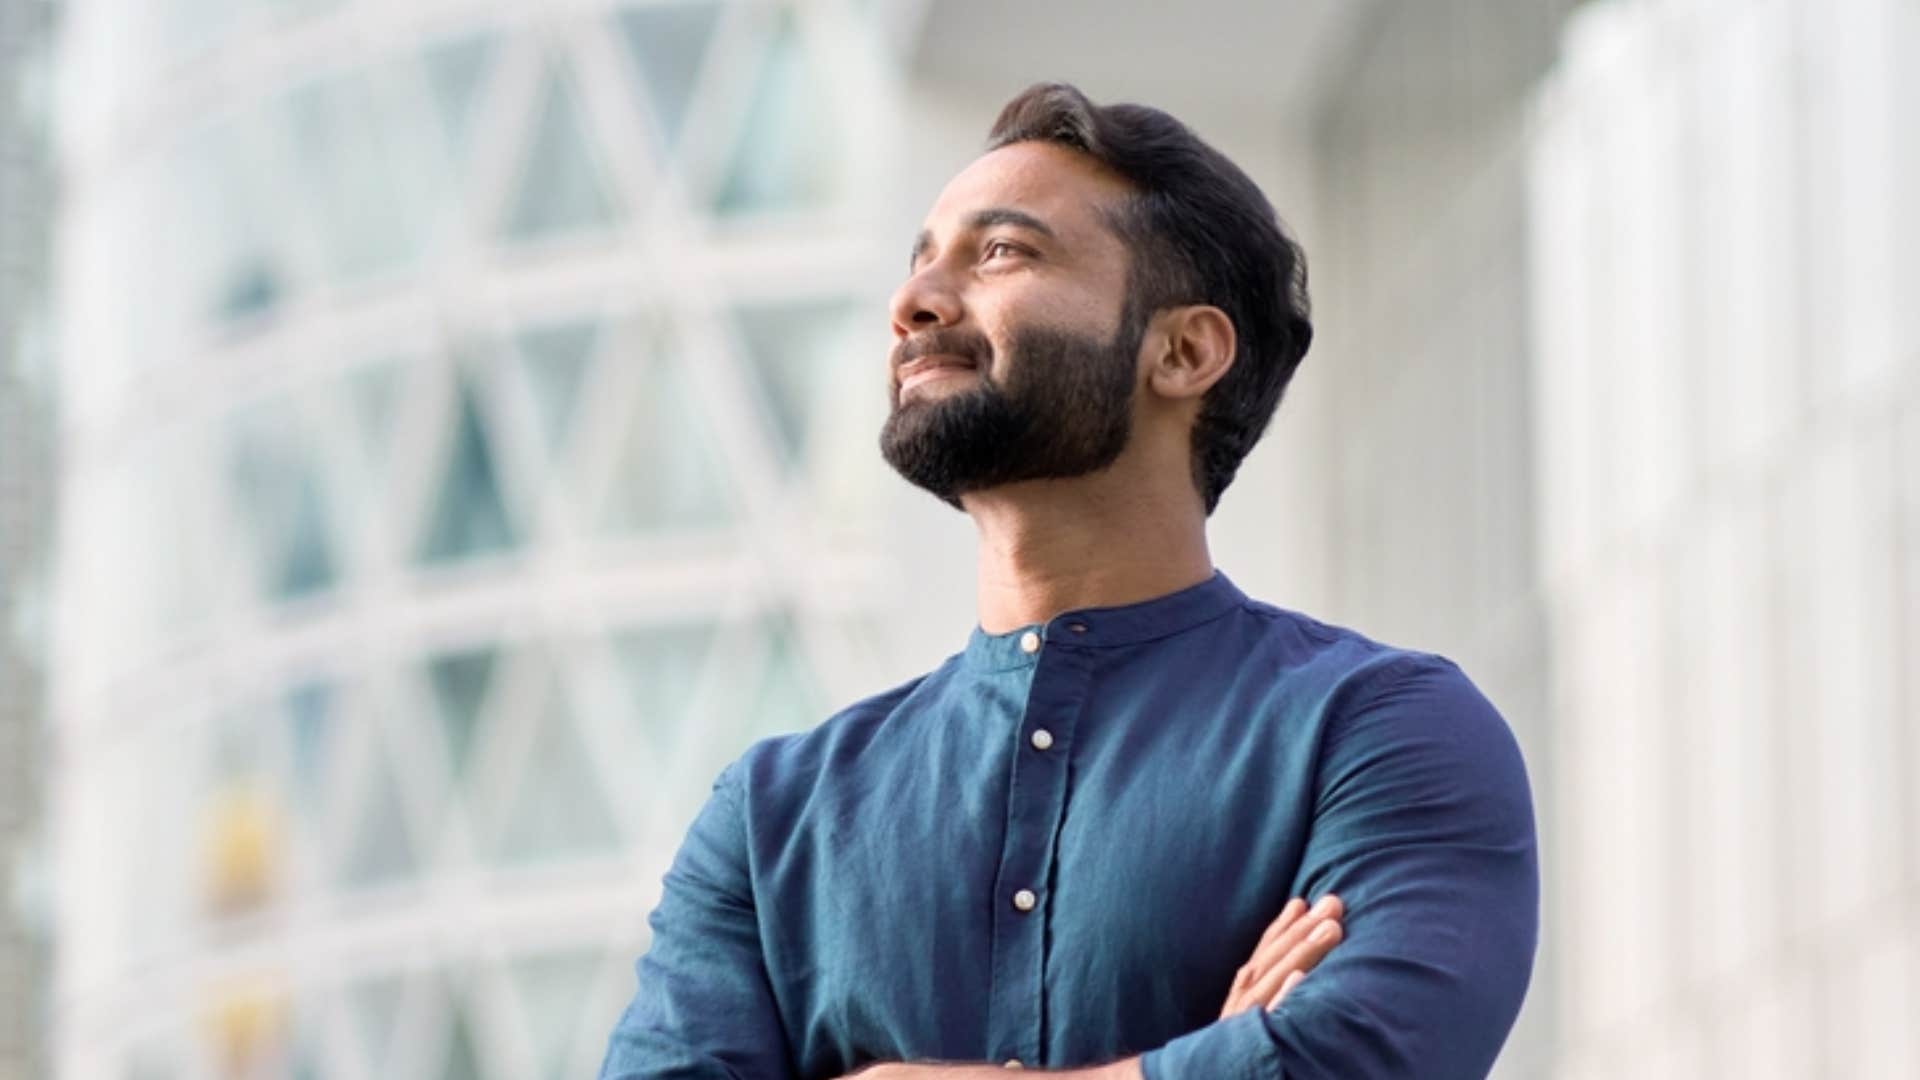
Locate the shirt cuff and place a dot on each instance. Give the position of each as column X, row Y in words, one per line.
column 1236, row 1048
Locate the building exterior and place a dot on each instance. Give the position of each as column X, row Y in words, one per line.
column 26, row 485
column 465, row 448
column 1727, row 398
column 458, row 402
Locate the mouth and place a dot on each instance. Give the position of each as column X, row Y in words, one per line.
column 927, row 369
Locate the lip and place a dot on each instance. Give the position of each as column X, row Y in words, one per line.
column 928, row 368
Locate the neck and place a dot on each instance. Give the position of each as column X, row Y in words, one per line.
column 1048, row 546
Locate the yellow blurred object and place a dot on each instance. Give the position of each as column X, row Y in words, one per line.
column 243, row 848
column 246, row 1029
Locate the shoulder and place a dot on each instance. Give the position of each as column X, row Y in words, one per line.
column 1348, row 663
column 1409, row 729
column 1364, row 684
column 796, row 760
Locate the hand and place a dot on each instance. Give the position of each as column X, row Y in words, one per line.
column 1128, row 1069
column 1292, row 945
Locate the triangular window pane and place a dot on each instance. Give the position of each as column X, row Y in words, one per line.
column 253, row 287
column 277, row 483
column 556, row 361
column 375, row 390
column 561, row 189
column 376, row 1009
column 382, row 848
column 553, row 992
column 658, row 667
column 469, row 516
column 348, row 153
column 559, row 809
column 786, row 154
column 305, row 1063
column 794, row 350
column 233, row 206
column 310, row 729
column 462, row 1061
column 460, row 682
column 667, row 43
column 789, row 698
column 456, row 71
column 668, row 474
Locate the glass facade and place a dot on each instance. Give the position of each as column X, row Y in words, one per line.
column 437, row 387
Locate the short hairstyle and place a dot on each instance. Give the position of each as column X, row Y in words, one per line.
column 1200, row 232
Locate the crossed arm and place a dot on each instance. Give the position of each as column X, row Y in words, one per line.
column 1291, row 946
column 1422, row 825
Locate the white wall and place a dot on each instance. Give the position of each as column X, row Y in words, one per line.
column 1728, row 401
column 1428, row 513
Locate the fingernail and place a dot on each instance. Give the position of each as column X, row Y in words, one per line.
column 1326, row 904
column 1322, row 932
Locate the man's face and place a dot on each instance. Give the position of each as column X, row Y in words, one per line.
column 1015, row 355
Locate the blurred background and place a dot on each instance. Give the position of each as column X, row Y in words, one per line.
column 435, row 437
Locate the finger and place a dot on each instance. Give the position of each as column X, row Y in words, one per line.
column 1292, row 980
column 1301, row 958
column 1265, row 957
column 1260, row 977
column 1294, row 908
column 1290, row 913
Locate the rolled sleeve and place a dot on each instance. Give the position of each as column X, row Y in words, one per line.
column 1423, row 825
column 704, row 1008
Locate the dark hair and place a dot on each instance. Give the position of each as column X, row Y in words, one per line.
column 1200, row 232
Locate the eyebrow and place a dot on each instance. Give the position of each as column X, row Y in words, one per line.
column 985, row 219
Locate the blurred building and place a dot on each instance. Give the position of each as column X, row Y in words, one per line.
column 1725, row 199
column 458, row 402
column 25, row 506
column 466, row 447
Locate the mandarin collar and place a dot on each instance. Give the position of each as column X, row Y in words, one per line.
column 1099, row 627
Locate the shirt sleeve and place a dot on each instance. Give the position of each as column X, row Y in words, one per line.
column 1423, row 825
column 704, row 1009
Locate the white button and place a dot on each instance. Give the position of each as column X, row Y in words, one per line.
column 1030, row 642
column 1042, row 738
column 1024, row 899
column 1014, row 1063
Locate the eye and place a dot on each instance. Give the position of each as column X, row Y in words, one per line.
column 999, row 248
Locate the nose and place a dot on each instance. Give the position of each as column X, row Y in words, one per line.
column 925, row 301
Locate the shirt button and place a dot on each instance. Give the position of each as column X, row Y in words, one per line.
column 1042, row 738
column 1024, row 899
column 1029, row 642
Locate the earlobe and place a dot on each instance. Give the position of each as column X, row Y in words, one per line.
column 1196, row 349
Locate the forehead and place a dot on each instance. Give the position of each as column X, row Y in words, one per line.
column 1061, row 186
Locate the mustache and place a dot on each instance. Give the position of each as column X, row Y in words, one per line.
column 970, row 344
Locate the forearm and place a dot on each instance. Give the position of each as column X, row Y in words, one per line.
column 1128, row 1069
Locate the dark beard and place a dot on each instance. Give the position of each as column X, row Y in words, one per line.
column 1066, row 410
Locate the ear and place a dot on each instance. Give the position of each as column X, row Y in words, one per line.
column 1192, row 348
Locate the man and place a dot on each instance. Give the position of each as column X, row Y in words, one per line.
column 1063, row 848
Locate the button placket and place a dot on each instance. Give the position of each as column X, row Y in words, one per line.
column 1036, row 805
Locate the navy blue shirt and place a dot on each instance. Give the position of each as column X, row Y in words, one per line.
column 1059, row 846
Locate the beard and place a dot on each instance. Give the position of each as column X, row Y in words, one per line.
column 1065, row 410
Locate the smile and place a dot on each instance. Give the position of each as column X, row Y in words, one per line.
column 927, row 369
